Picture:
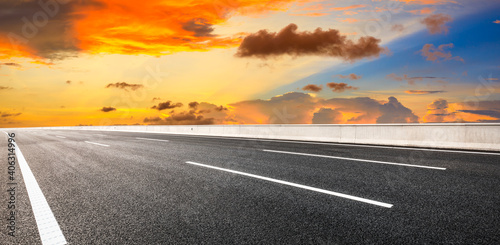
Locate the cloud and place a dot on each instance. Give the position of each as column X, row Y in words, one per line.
column 68, row 82
column 410, row 80
column 496, row 21
column 424, row 91
column 327, row 116
column 193, row 105
column 10, row 114
column 340, row 87
column 199, row 114
column 312, row 88
column 357, row 6
column 398, row 28
column 439, row 54
column 469, row 111
column 311, row 14
column 157, row 27
column 302, row 108
column 125, row 86
column 394, row 112
column 5, row 88
column 491, row 113
column 108, row 109
column 423, row 11
column 156, row 98
column 427, row 2
column 166, row 105
column 436, row 23
column 289, row 41
column 351, row 76
column 200, row 27
column 10, row 64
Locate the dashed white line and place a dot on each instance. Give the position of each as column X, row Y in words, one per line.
column 355, row 198
column 356, row 159
column 96, row 143
column 50, row 232
column 62, row 137
column 152, row 139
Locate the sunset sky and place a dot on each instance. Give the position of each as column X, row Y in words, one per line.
column 107, row 62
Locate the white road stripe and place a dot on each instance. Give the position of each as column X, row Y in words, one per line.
column 50, row 232
column 151, row 139
column 62, row 137
column 303, row 142
column 360, row 199
column 355, row 159
column 96, row 143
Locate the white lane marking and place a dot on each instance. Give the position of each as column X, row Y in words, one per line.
column 360, row 199
column 356, row 159
column 300, row 142
column 50, row 232
column 151, row 139
column 96, row 143
column 62, row 137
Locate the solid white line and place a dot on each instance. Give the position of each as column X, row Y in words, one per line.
column 62, row 137
column 151, row 139
column 355, row 159
column 360, row 199
column 300, row 142
column 50, row 232
column 96, row 143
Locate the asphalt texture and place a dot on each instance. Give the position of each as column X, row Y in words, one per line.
column 139, row 191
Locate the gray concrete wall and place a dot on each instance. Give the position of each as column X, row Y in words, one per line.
column 454, row 135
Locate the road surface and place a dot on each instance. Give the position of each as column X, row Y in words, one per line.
column 143, row 188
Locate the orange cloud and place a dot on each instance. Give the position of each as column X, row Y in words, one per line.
column 496, row 21
column 153, row 27
column 423, row 11
column 312, row 88
column 350, row 20
column 311, row 14
column 479, row 111
column 357, row 6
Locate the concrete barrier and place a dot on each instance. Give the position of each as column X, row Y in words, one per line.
column 469, row 136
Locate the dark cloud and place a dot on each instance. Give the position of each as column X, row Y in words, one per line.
column 194, row 105
column 5, row 88
column 155, row 99
column 340, row 87
column 439, row 54
column 108, row 109
column 10, row 114
column 152, row 120
column 351, row 76
column 124, row 85
column 289, row 41
column 435, row 23
column 327, row 116
column 46, row 29
column 424, row 91
column 199, row 27
column 166, row 105
column 394, row 112
column 312, row 88
column 68, row 82
column 10, row 64
column 491, row 113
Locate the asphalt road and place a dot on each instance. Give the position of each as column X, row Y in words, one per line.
column 143, row 188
